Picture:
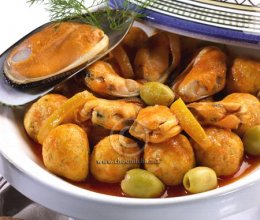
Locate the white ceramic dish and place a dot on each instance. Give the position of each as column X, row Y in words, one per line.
column 21, row 168
column 24, row 171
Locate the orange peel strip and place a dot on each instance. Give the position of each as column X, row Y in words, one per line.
column 63, row 113
column 189, row 123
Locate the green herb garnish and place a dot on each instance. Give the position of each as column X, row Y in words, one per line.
column 64, row 10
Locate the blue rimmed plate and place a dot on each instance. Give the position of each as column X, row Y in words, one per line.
column 230, row 21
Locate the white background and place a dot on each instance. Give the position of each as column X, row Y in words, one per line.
column 17, row 19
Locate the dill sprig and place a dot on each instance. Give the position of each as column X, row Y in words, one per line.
column 64, row 10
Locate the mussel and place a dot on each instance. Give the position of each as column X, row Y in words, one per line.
column 203, row 77
column 102, row 79
column 158, row 57
column 155, row 124
column 237, row 111
column 122, row 61
column 124, row 54
column 53, row 52
column 135, row 39
column 110, row 114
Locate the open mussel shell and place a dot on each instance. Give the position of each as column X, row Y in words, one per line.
column 102, row 79
column 15, row 93
column 203, row 77
column 158, row 57
column 53, row 52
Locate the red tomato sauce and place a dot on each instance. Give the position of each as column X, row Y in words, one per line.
column 248, row 165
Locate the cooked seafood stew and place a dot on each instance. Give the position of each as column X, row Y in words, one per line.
column 248, row 164
column 160, row 116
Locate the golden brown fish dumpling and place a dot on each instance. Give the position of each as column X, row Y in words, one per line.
column 40, row 111
column 65, row 152
column 249, row 113
column 112, row 157
column 169, row 160
column 244, row 76
column 226, row 153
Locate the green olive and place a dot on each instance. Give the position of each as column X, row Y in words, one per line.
column 153, row 93
column 200, row 179
column 142, row 184
column 251, row 140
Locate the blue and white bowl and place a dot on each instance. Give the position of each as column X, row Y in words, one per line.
column 235, row 22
